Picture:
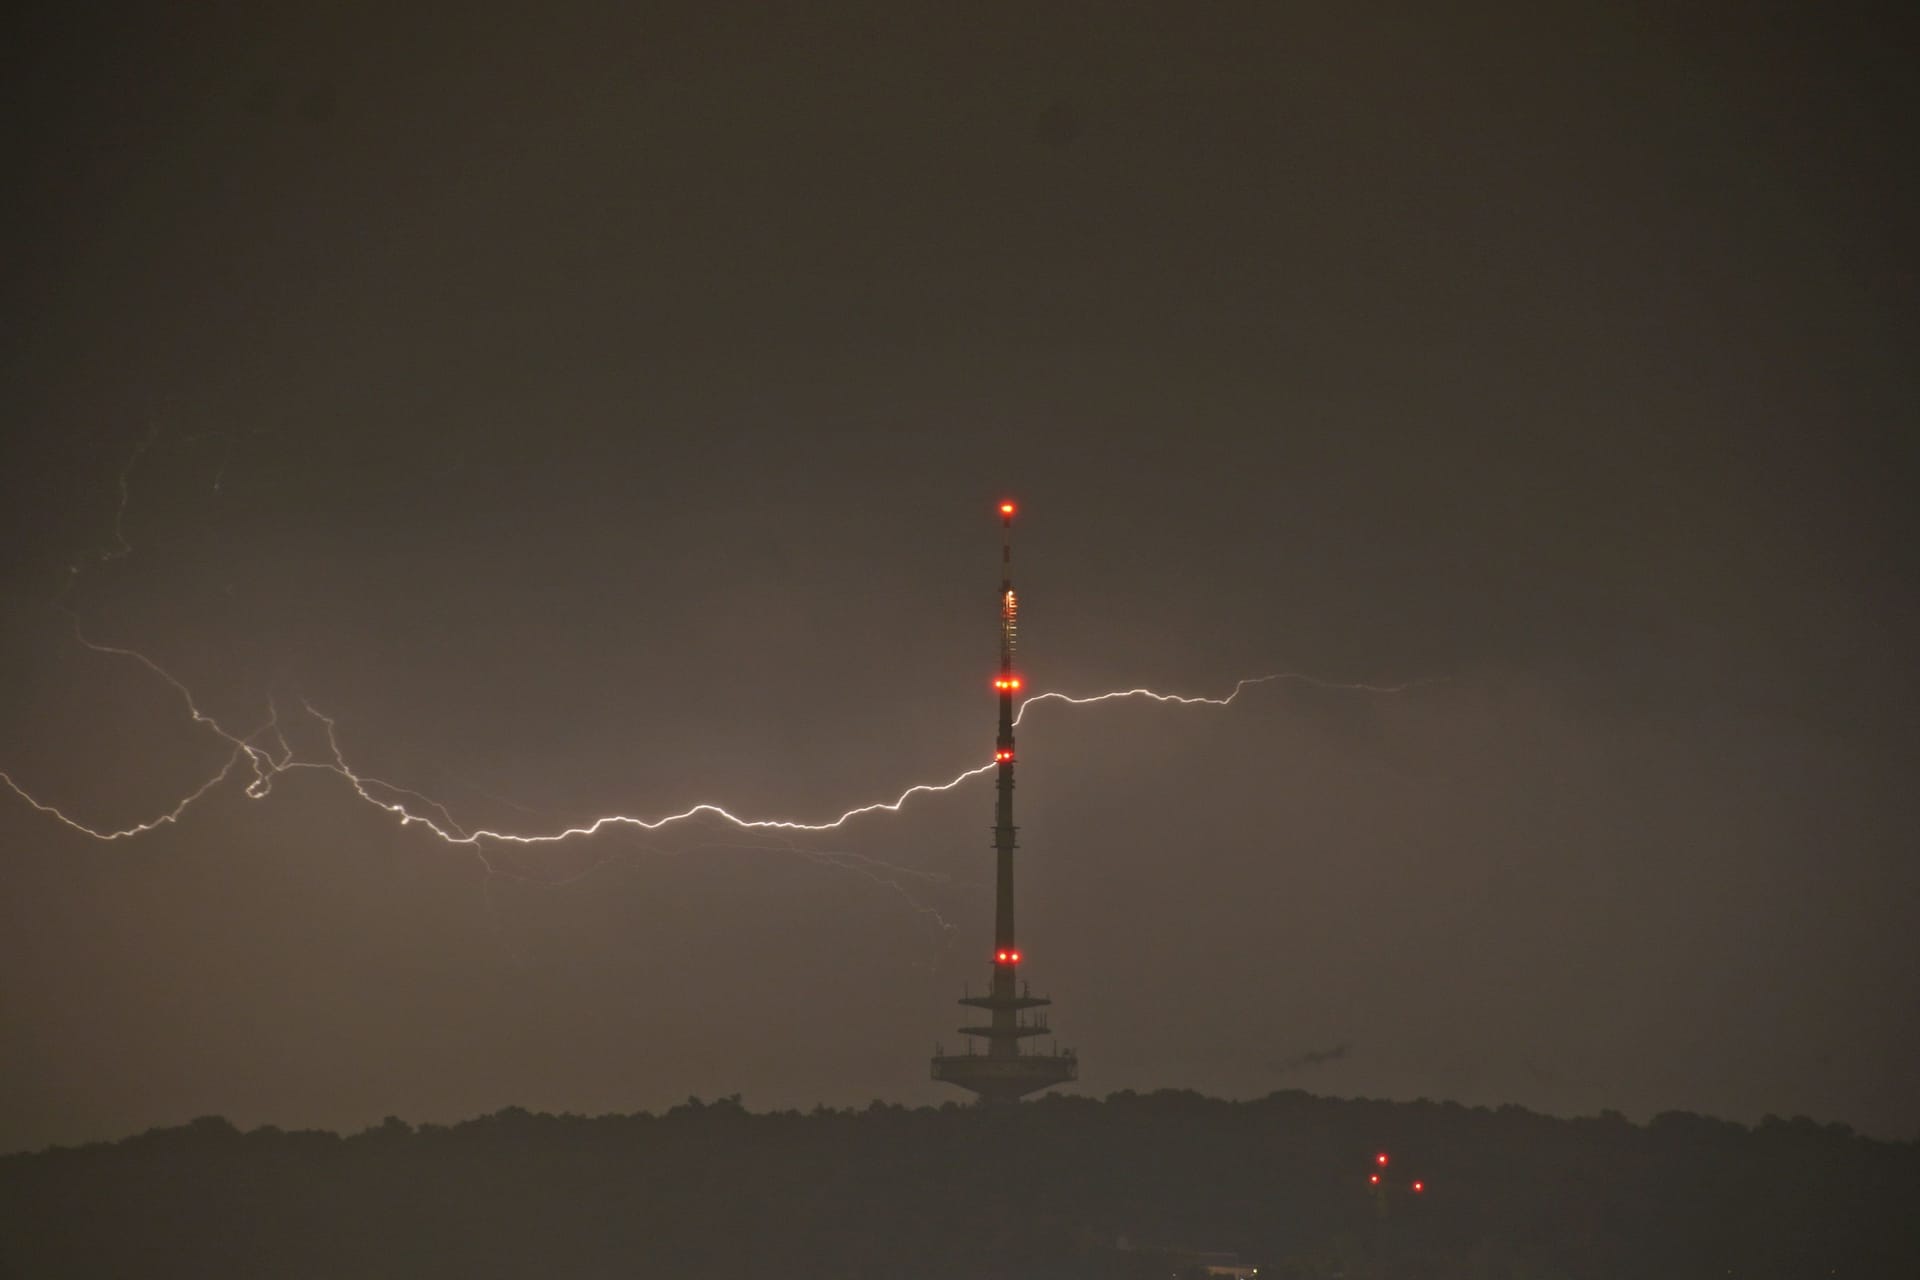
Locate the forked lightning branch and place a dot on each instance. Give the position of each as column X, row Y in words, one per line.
column 260, row 754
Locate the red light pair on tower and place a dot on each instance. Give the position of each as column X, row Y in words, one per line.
column 1003, row 683
column 1006, row 957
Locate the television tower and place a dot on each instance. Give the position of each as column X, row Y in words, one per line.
column 1003, row 1073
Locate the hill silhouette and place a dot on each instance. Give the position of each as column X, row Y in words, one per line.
column 1064, row 1186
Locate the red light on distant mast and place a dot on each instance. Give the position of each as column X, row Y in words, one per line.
column 1381, row 1159
column 1006, row 508
column 1419, row 1187
column 1374, row 1178
column 1003, row 757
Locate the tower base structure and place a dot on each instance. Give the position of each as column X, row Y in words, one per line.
column 1006, row 1079
column 1004, row 1073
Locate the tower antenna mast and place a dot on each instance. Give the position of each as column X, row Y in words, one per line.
column 1004, row 1073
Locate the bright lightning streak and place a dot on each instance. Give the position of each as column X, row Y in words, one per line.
column 435, row 817
column 382, row 794
column 360, row 783
column 452, row 835
column 137, row 829
column 1188, row 700
column 263, row 764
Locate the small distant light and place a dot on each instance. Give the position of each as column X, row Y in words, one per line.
column 1006, row 508
column 1419, row 1187
column 1013, row 957
column 1014, row 683
column 1381, row 1159
column 1003, row 757
column 1374, row 1178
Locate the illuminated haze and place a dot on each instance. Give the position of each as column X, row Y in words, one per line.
column 603, row 413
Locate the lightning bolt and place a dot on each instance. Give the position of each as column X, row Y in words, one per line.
column 1240, row 687
column 264, row 753
column 416, row 809
column 263, row 764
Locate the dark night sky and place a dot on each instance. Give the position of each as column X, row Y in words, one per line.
column 600, row 408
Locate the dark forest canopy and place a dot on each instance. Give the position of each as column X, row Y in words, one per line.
column 1065, row 1186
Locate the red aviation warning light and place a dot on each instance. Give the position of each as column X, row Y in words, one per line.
column 1006, row 509
column 1003, row 756
column 1373, row 1179
column 1006, row 683
column 1419, row 1187
column 1006, row 957
column 1381, row 1159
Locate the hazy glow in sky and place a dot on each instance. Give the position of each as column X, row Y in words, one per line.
column 597, row 411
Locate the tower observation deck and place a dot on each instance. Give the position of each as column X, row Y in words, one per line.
column 1003, row 1071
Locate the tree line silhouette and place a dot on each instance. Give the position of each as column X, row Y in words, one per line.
column 1135, row 1185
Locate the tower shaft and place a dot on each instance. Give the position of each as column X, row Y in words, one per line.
column 1007, row 684
column 1004, row 1073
